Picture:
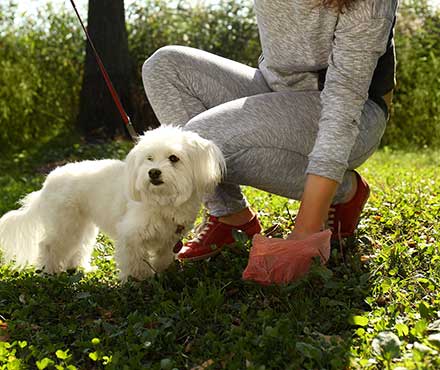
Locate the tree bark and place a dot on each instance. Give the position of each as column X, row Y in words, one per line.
column 98, row 116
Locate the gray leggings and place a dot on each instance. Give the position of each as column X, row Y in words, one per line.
column 265, row 136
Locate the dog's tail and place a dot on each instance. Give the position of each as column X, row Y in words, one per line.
column 21, row 231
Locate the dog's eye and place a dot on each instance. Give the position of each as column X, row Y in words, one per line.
column 150, row 158
column 173, row 158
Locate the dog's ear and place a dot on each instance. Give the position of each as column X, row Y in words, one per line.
column 131, row 165
column 209, row 166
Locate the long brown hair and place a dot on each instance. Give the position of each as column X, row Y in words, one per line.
column 339, row 5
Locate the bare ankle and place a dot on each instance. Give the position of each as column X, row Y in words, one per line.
column 238, row 218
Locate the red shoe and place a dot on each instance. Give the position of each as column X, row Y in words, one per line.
column 214, row 235
column 344, row 217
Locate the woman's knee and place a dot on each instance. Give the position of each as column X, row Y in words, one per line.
column 163, row 60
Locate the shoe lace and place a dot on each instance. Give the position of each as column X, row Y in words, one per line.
column 203, row 232
column 331, row 222
column 202, row 229
column 331, row 218
column 201, row 225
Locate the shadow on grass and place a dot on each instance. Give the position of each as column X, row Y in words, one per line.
column 199, row 314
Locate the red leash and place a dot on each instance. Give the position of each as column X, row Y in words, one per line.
column 108, row 82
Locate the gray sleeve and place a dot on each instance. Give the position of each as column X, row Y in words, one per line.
column 360, row 39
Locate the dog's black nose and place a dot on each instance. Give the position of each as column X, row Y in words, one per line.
column 154, row 173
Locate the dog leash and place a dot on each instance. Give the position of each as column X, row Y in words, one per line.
column 108, row 82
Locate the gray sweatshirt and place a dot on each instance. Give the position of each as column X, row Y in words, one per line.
column 303, row 43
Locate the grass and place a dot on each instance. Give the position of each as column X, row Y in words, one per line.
column 375, row 306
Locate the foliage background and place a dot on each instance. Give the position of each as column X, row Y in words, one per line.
column 41, row 64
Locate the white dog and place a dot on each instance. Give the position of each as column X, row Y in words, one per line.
column 144, row 203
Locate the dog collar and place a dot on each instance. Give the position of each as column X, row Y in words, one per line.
column 179, row 245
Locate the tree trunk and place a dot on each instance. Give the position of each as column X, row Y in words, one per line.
column 98, row 116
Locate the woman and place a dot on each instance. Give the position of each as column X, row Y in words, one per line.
column 298, row 125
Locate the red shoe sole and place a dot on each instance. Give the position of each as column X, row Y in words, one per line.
column 202, row 257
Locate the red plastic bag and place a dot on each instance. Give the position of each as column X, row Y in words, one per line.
column 281, row 261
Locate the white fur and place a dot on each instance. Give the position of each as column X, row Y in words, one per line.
column 56, row 227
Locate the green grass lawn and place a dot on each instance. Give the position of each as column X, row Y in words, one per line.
column 375, row 306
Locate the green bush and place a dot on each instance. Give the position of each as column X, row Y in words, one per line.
column 40, row 75
column 416, row 115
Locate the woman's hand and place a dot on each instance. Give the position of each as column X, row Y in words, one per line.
column 315, row 203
